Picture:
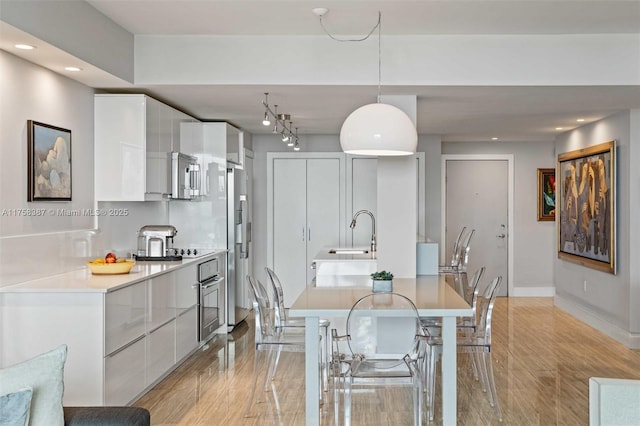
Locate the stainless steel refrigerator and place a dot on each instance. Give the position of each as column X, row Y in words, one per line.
column 238, row 243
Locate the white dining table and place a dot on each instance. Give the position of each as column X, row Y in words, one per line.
column 430, row 293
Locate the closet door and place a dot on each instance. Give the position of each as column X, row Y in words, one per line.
column 289, row 225
column 323, row 208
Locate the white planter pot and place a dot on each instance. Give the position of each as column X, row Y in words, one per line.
column 382, row 286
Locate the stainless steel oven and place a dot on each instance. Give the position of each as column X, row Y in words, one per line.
column 211, row 299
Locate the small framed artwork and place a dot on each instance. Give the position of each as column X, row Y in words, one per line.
column 546, row 194
column 587, row 228
column 49, row 162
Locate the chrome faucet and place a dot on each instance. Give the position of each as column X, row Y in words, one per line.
column 374, row 244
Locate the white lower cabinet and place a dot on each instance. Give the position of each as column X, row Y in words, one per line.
column 125, row 373
column 125, row 312
column 161, row 350
column 186, row 332
column 149, row 326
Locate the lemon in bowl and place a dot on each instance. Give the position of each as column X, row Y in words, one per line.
column 100, row 267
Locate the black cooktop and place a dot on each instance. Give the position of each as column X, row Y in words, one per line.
column 158, row 258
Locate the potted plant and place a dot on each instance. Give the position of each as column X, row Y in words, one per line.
column 382, row 282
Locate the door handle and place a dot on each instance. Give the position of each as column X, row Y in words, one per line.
column 501, row 236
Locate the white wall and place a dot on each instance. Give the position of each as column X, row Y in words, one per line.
column 32, row 246
column 431, row 145
column 35, row 246
column 609, row 299
column 534, row 242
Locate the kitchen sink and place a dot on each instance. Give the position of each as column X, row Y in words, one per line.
column 348, row 251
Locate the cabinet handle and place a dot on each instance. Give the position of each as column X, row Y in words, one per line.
column 303, row 233
column 122, row 348
column 309, row 238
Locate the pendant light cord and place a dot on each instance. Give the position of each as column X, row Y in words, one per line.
column 378, row 26
column 379, row 52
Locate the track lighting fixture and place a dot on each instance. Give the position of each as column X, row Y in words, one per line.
column 280, row 125
column 266, row 121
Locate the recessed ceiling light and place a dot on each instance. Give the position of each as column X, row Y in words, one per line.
column 580, row 120
column 25, row 46
column 559, row 128
column 494, row 139
column 73, row 69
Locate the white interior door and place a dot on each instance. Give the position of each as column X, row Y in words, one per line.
column 323, row 208
column 477, row 196
column 289, row 225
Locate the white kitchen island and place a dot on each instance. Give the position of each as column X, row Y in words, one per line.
column 124, row 332
column 432, row 296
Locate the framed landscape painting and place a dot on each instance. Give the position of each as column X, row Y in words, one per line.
column 586, row 201
column 49, row 162
column 546, row 194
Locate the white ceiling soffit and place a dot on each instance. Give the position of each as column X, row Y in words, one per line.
column 262, row 17
column 456, row 112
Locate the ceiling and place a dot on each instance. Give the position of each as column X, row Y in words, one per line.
column 458, row 113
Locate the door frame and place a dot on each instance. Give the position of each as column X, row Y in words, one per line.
column 510, row 209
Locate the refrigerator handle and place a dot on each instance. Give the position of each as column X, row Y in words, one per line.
column 245, row 229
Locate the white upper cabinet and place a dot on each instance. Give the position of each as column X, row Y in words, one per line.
column 134, row 135
column 207, row 142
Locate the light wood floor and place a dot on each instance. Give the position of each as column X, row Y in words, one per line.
column 542, row 358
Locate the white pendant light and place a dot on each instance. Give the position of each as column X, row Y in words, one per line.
column 378, row 129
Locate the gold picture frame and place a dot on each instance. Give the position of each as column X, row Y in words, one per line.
column 586, row 207
column 546, row 195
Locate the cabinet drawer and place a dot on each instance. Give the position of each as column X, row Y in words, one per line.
column 161, row 350
column 162, row 300
column 125, row 374
column 124, row 316
column 186, row 332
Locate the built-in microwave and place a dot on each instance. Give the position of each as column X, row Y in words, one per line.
column 185, row 176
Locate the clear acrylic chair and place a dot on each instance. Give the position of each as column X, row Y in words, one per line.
column 268, row 340
column 384, row 347
column 469, row 291
column 461, row 256
column 477, row 342
column 283, row 321
column 455, row 252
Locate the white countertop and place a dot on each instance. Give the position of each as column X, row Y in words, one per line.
column 82, row 280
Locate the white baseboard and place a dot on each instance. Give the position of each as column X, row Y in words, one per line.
column 533, row 292
column 630, row 340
